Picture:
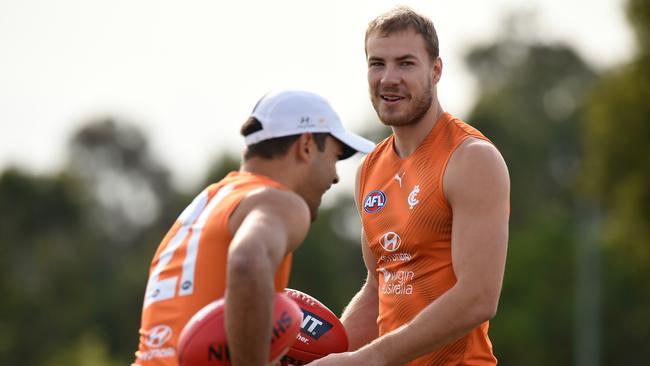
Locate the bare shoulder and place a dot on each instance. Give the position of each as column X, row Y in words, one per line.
column 276, row 201
column 278, row 206
column 279, row 198
column 477, row 151
column 476, row 167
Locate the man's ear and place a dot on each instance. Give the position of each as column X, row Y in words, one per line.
column 436, row 70
column 305, row 147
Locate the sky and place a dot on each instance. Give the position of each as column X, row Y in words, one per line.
column 188, row 73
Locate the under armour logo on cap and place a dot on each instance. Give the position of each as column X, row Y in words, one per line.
column 294, row 112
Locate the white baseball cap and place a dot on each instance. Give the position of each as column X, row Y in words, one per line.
column 294, row 112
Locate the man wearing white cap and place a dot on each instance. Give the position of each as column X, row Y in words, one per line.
column 237, row 236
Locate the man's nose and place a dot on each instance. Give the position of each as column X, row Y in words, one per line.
column 391, row 75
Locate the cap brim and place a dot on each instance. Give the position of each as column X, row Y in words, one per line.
column 354, row 143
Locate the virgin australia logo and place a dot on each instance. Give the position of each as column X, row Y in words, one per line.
column 412, row 199
column 387, row 275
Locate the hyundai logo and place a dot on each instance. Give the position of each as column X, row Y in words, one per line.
column 158, row 335
column 391, row 241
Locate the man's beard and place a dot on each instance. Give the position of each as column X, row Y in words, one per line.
column 420, row 106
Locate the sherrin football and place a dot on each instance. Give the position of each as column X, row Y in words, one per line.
column 321, row 332
column 203, row 339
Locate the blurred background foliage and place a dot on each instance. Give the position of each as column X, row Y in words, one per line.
column 76, row 246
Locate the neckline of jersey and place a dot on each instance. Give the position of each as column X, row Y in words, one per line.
column 442, row 121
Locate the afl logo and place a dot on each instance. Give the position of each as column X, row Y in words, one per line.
column 374, row 201
column 391, row 241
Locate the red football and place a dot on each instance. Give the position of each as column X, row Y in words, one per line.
column 203, row 339
column 321, row 332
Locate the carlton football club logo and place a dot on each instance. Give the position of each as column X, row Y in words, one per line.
column 374, row 201
column 412, row 199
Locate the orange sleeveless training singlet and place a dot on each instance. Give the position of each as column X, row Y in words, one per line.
column 188, row 270
column 407, row 222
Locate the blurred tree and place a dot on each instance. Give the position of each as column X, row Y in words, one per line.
column 77, row 247
column 50, row 265
column 134, row 205
column 89, row 349
column 617, row 178
column 531, row 96
column 113, row 160
column 638, row 12
column 218, row 169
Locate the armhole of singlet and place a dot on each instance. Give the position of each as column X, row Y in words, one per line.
column 229, row 211
column 441, row 179
column 441, row 191
column 362, row 182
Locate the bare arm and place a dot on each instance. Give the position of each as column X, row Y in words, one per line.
column 477, row 187
column 268, row 225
